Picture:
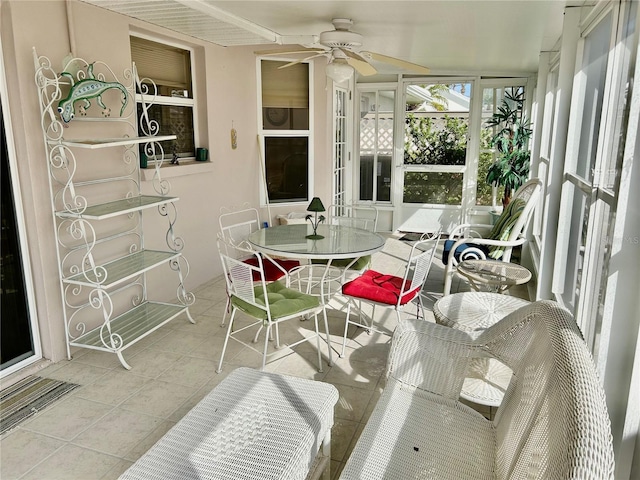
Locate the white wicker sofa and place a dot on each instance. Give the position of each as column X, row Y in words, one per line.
column 552, row 424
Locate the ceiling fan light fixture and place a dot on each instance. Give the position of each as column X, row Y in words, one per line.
column 339, row 71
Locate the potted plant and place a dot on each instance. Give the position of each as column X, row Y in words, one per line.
column 511, row 138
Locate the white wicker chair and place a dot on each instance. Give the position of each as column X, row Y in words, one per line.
column 476, row 241
column 553, row 422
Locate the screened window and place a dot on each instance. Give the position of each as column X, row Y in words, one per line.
column 492, row 100
column 436, row 130
column 376, row 144
column 166, row 82
column 285, row 128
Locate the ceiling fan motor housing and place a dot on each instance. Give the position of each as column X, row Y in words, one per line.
column 341, row 39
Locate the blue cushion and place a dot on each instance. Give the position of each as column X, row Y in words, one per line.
column 447, row 250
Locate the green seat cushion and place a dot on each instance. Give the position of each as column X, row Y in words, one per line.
column 283, row 302
column 503, row 226
column 360, row 264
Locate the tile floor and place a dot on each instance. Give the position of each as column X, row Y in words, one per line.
column 101, row 428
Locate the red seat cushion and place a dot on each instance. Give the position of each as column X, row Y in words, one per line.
column 378, row 287
column 271, row 272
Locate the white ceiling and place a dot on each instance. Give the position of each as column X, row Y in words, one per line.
column 448, row 36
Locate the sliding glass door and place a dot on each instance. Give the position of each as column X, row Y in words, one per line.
column 19, row 341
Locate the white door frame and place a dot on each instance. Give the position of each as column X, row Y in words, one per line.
column 22, row 230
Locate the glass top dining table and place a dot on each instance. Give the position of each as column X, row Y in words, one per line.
column 339, row 242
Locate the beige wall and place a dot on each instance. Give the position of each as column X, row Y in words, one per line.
column 226, row 94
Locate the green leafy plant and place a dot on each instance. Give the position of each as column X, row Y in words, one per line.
column 429, row 142
column 511, row 138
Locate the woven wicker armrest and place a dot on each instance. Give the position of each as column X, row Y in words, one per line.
column 430, row 357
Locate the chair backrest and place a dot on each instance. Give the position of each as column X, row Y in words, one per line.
column 418, row 265
column 241, row 275
column 515, row 217
column 236, row 226
column 357, row 216
column 553, row 421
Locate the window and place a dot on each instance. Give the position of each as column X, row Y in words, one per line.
column 340, row 147
column 376, row 144
column 544, row 161
column 285, row 130
column 492, row 98
column 436, row 130
column 166, row 82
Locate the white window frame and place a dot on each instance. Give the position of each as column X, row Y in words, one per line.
column 586, row 305
column 341, row 193
column 547, row 132
column 175, row 101
column 264, row 133
column 377, row 88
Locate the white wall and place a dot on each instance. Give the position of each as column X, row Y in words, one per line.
column 226, row 89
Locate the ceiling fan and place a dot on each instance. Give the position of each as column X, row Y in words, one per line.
column 342, row 47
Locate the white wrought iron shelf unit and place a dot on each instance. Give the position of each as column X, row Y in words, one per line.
column 96, row 272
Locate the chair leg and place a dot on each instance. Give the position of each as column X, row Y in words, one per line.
column 315, row 319
column 326, row 330
column 255, row 339
column 226, row 340
column 420, row 307
column 266, row 346
column 226, row 309
column 448, row 278
column 373, row 316
column 346, row 327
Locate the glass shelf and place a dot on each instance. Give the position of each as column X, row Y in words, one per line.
column 122, row 269
column 132, row 325
column 93, row 143
column 118, row 207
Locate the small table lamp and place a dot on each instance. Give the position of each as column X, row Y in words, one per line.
column 315, row 206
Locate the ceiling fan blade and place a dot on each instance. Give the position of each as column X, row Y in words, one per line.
column 288, row 52
column 353, row 55
column 398, row 63
column 359, row 63
column 362, row 67
column 295, row 62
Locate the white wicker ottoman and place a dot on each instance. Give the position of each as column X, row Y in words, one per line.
column 473, row 312
column 253, row 425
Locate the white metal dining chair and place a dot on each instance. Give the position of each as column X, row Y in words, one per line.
column 355, row 216
column 324, row 277
column 328, row 277
column 235, row 227
column 390, row 291
column 269, row 304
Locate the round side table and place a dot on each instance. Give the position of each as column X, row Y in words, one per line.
column 496, row 275
column 473, row 312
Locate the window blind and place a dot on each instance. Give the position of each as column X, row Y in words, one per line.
column 285, row 88
column 163, row 64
